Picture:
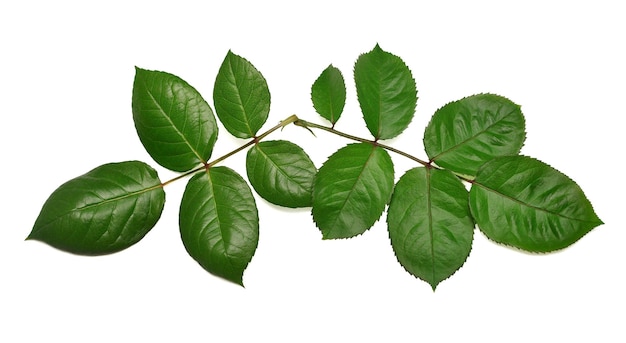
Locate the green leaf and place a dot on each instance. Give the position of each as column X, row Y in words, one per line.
column 465, row 134
column 328, row 94
column 103, row 211
column 525, row 203
column 386, row 92
column 430, row 225
column 351, row 190
column 281, row 172
column 219, row 223
column 241, row 97
column 174, row 123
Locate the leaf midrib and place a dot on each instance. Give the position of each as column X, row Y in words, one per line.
column 182, row 135
column 519, row 201
column 281, row 170
column 343, row 205
column 218, row 219
column 101, row 203
column 118, row 198
column 246, row 119
column 430, row 222
column 472, row 137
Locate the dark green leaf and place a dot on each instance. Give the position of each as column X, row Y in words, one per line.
column 241, row 97
column 329, row 94
column 175, row 125
column 465, row 134
column 386, row 91
column 351, row 190
column 219, row 223
column 430, row 226
column 281, row 172
column 525, row 203
column 103, row 211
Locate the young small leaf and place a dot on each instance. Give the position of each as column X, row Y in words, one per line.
column 281, row 172
column 525, row 203
column 466, row 133
column 328, row 94
column 429, row 222
column 386, row 92
column 241, row 97
column 351, row 190
column 103, row 211
column 174, row 123
column 219, row 223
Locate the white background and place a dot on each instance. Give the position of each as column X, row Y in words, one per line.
column 66, row 73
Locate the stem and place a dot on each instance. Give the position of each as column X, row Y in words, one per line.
column 220, row 159
column 306, row 124
column 424, row 163
column 291, row 119
column 182, row 176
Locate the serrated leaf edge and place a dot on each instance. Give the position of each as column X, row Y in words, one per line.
column 434, row 158
column 282, row 172
column 325, row 237
column 377, row 136
column 169, row 119
column 251, row 133
column 333, row 119
column 433, row 286
column 539, row 252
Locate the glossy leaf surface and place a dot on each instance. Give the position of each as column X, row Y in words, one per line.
column 465, row 134
column 219, row 223
column 386, row 92
column 328, row 94
column 281, row 172
column 351, row 190
column 525, row 203
column 103, row 211
column 174, row 123
column 430, row 225
column 241, row 97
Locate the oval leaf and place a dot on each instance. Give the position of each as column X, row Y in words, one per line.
column 281, row 172
column 103, row 211
column 174, row 123
column 465, row 134
column 328, row 94
column 525, row 203
column 430, row 225
column 219, row 223
column 351, row 190
column 386, row 92
column 241, row 97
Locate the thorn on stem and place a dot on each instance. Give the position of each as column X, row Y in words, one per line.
column 303, row 124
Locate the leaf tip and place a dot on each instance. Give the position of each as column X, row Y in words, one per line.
column 240, row 283
column 32, row 236
column 139, row 70
column 237, row 278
